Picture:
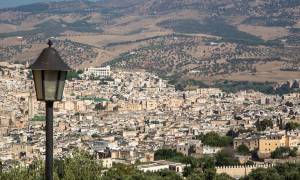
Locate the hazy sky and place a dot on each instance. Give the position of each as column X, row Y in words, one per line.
column 13, row 3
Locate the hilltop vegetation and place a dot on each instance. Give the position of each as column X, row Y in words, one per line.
column 213, row 26
column 56, row 28
column 205, row 41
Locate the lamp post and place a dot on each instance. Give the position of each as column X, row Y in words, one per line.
column 49, row 74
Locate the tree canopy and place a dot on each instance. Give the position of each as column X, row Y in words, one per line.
column 226, row 158
column 83, row 166
column 279, row 172
column 243, row 150
column 292, row 126
column 215, row 140
column 283, row 152
column 262, row 125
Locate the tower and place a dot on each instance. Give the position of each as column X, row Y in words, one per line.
column 30, row 106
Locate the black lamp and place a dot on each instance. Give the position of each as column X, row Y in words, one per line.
column 49, row 74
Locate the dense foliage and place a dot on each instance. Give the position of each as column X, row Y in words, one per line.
column 235, row 86
column 215, row 140
column 74, row 74
column 55, row 28
column 279, row 172
column 283, row 152
column 229, row 86
column 213, row 26
column 243, row 150
column 226, row 158
column 83, row 166
column 203, row 168
column 264, row 124
column 38, row 118
column 80, row 166
column 292, row 126
column 263, row 87
column 120, row 171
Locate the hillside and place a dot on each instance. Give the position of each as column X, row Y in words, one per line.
column 240, row 40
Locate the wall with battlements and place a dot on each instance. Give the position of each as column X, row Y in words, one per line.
column 240, row 171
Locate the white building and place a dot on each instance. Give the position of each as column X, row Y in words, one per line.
column 107, row 163
column 163, row 165
column 154, row 167
column 209, row 150
column 102, row 72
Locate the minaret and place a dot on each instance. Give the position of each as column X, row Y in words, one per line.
column 12, row 120
column 30, row 106
column 27, row 65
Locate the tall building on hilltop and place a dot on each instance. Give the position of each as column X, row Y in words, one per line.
column 102, row 72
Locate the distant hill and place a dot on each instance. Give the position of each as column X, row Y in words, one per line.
column 245, row 40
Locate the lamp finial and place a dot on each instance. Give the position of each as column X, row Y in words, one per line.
column 50, row 43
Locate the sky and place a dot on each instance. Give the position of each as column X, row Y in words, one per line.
column 14, row 3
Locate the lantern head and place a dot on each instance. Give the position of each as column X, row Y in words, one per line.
column 49, row 74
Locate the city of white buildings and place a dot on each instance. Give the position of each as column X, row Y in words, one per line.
column 129, row 116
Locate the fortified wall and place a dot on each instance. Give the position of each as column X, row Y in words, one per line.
column 240, row 171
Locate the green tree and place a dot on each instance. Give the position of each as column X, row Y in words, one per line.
column 208, row 162
column 187, row 171
column 283, row 152
column 262, row 125
column 291, row 126
column 99, row 107
column 1, row 166
column 33, row 172
column 80, row 71
column 168, row 154
column 288, row 171
column 196, row 176
column 120, row 172
column 210, row 174
column 223, row 177
column 179, row 87
column 226, row 158
column 172, row 155
column 215, row 140
column 293, row 152
column 232, row 133
column 169, row 175
column 243, row 150
column 73, row 75
column 29, row 75
column 81, row 166
column 264, row 174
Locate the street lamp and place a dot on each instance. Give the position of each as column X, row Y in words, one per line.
column 49, row 74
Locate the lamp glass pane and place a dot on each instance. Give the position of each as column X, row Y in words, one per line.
column 50, row 85
column 37, row 76
column 61, row 84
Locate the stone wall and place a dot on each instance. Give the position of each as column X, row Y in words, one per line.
column 240, row 171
